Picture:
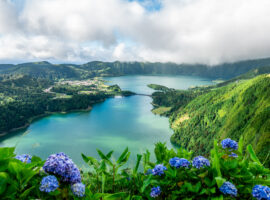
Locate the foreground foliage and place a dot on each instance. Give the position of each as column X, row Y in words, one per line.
column 227, row 174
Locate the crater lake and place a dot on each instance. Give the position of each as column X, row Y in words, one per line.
column 114, row 124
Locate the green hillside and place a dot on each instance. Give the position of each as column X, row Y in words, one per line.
column 96, row 68
column 240, row 108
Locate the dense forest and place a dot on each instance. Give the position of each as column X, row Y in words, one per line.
column 98, row 68
column 235, row 108
column 22, row 98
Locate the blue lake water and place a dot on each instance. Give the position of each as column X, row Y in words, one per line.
column 113, row 124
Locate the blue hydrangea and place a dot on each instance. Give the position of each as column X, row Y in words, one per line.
column 155, row 192
column 229, row 189
column 230, row 144
column 49, row 184
column 179, row 162
column 24, row 158
column 159, row 170
column 261, row 192
column 60, row 164
column 200, row 162
column 234, row 155
column 78, row 189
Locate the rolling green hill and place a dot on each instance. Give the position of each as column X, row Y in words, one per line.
column 240, row 108
column 96, row 68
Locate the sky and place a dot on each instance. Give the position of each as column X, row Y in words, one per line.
column 181, row 31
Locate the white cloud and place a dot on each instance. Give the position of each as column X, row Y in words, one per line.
column 193, row 31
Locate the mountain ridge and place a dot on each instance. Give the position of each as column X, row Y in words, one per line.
column 45, row 69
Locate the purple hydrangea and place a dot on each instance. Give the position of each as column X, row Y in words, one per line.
column 200, row 162
column 230, row 144
column 78, row 189
column 159, row 169
column 24, row 158
column 234, row 155
column 155, row 192
column 179, row 162
column 229, row 189
column 49, row 184
column 60, row 164
column 261, row 192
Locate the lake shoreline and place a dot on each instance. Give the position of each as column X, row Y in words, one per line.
column 34, row 118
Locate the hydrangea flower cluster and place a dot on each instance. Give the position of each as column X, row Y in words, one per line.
column 229, row 189
column 229, row 143
column 78, row 189
column 261, row 192
column 24, row 158
column 49, row 184
column 60, row 164
column 159, row 169
column 200, row 162
column 179, row 162
column 155, row 192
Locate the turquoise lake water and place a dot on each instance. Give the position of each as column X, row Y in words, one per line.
column 113, row 124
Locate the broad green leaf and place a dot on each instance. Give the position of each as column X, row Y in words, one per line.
column 220, row 181
column 6, row 152
column 14, row 167
column 122, row 156
column 104, row 157
column 27, row 175
column 252, row 154
column 109, row 154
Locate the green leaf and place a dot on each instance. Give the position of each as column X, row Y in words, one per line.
column 104, row 157
column 139, row 157
column 36, row 159
column 7, row 152
column 136, row 197
column 253, row 155
column 215, row 161
column 55, row 193
column 109, row 154
column 146, row 160
column 26, row 192
column 14, row 167
column 220, row 181
column 240, row 145
column 122, row 157
column 27, row 175
column 217, row 198
column 145, row 184
column 90, row 160
column 103, row 182
column 3, row 181
column 115, row 196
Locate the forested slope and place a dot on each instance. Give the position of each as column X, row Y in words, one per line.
column 22, row 98
column 240, row 108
